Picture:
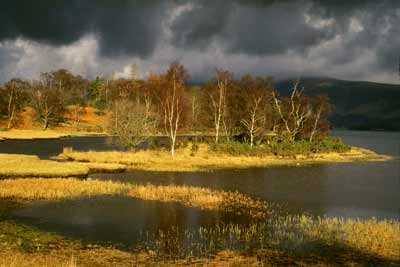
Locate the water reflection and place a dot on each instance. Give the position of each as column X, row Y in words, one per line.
column 120, row 220
column 362, row 190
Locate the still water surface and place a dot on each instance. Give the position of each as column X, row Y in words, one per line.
column 364, row 190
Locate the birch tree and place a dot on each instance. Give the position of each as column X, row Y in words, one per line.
column 294, row 111
column 172, row 104
column 217, row 94
column 14, row 89
column 320, row 110
column 256, row 96
column 47, row 100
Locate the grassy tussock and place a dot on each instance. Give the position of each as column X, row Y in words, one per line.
column 32, row 134
column 202, row 198
column 205, row 159
column 31, row 166
column 57, row 188
column 17, row 134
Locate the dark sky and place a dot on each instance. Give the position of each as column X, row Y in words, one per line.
column 352, row 39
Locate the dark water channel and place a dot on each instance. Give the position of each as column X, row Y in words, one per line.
column 364, row 190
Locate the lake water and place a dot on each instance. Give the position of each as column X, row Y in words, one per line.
column 356, row 190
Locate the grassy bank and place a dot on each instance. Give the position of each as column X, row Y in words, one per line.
column 15, row 134
column 204, row 159
column 12, row 165
column 31, row 166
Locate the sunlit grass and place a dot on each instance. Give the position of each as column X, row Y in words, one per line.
column 267, row 238
column 291, row 241
column 57, row 188
column 13, row 165
column 204, row 159
column 296, row 238
column 203, row 198
column 40, row 134
column 32, row 134
column 31, row 166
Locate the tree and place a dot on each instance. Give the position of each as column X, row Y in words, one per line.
column 320, row 110
column 293, row 111
column 216, row 92
column 15, row 90
column 47, row 100
column 172, row 100
column 255, row 95
column 131, row 121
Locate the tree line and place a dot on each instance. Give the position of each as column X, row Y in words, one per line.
column 224, row 107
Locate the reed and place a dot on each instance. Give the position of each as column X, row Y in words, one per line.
column 291, row 241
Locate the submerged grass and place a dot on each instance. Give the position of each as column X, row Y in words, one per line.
column 205, row 159
column 340, row 242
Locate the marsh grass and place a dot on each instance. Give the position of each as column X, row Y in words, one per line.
column 340, row 242
column 41, row 134
column 203, row 198
column 32, row 189
column 271, row 240
column 12, row 165
column 204, row 159
column 57, row 188
column 31, row 166
column 289, row 241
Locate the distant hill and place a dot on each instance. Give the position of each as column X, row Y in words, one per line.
column 358, row 105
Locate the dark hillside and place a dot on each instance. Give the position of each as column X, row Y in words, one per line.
column 358, row 105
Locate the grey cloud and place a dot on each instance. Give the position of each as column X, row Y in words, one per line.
column 239, row 34
column 123, row 26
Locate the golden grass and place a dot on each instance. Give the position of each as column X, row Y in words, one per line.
column 57, row 188
column 203, row 198
column 31, row 134
column 13, row 165
column 290, row 240
column 31, row 166
column 20, row 259
column 337, row 242
column 41, row 134
column 204, row 160
column 375, row 237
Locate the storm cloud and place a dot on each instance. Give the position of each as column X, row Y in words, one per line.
column 342, row 39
